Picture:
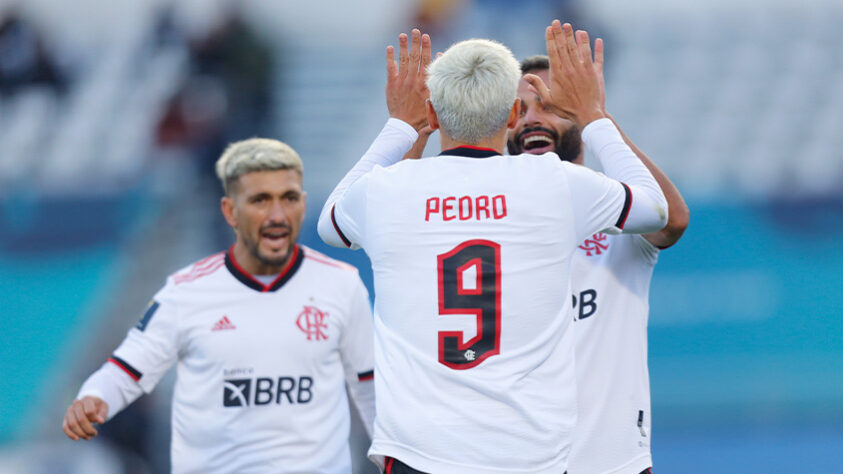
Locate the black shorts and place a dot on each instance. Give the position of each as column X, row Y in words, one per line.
column 394, row 466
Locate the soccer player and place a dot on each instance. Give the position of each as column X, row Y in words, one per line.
column 473, row 338
column 610, row 296
column 265, row 337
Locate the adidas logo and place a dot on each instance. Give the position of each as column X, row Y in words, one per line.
column 223, row 323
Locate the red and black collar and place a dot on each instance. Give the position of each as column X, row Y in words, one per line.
column 470, row 152
column 247, row 279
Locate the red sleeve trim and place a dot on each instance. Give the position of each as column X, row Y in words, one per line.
column 131, row 371
column 627, row 204
column 337, row 228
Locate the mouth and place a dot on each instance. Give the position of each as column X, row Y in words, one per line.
column 537, row 143
column 275, row 238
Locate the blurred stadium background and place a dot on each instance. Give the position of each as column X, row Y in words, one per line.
column 111, row 114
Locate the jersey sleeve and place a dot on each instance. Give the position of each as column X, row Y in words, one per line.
column 148, row 351
column 646, row 209
column 348, row 214
column 151, row 347
column 357, row 354
column 601, row 204
column 389, row 147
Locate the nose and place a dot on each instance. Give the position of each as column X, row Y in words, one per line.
column 277, row 213
column 532, row 117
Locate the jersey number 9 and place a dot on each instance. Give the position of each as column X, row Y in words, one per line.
column 470, row 283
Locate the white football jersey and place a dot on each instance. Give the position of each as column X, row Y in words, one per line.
column 261, row 368
column 611, row 306
column 473, row 340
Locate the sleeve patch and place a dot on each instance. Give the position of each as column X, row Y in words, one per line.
column 364, row 376
column 150, row 310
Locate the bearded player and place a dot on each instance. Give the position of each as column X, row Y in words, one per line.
column 473, row 339
column 610, row 298
column 265, row 336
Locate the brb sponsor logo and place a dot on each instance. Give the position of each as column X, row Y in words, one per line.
column 312, row 322
column 266, row 390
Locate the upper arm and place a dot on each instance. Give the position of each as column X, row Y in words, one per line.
column 344, row 225
column 599, row 203
column 151, row 347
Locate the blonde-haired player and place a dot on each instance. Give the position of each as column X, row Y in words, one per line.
column 473, row 337
column 265, row 338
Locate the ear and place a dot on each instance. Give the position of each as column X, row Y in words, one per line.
column 227, row 207
column 514, row 114
column 432, row 118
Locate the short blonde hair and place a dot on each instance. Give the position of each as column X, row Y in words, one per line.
column 255, row 154
column 472, row 89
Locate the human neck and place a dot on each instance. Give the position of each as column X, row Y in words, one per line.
column 497, row 142
column 252, row 265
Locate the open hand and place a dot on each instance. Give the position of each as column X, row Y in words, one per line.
column 406, row 91
column 80, row 416
column 575, row 90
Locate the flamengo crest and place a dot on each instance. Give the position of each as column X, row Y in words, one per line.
column 595, row 245
column 312, row 322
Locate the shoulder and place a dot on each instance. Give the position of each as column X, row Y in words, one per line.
column 325, row 263
column 197, row 270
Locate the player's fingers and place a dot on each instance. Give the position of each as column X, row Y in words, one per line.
column 415, row 50
column 552, row 49
column 92, row 409
column 67, row 431
column 585, row 46
column 82, row 418
column 439, row 54
column 403, row 55
column 391, row 67
column 538, row 86
column 102, row 412
column 425, row 53
column 598, row 54
column 571, row 43
column 73, row 424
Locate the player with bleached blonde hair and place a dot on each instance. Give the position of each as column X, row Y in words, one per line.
column 471, row 252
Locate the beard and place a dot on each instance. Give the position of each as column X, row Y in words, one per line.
column 568, row 146
column 254, row 249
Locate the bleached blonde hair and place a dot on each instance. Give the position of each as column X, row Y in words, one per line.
column 255, row 154
column 472, row 89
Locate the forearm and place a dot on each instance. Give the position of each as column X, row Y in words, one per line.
column 678, row 213
column 648, row 208
column 113, row 386
column 394, row 140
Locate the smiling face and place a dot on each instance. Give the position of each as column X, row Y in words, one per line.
column 539, row 130
column 266, row 210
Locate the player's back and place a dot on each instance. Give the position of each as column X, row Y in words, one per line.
column 471, row 259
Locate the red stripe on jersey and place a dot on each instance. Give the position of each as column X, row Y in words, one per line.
column 131, row 373
column 627, row 204
column 265, row 288
column 195, row 275
column 337, row 228
column 317, row 257
column 203, row 267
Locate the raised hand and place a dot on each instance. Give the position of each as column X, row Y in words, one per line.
column 406, row 91
column 575, row 90
column 80, row 416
